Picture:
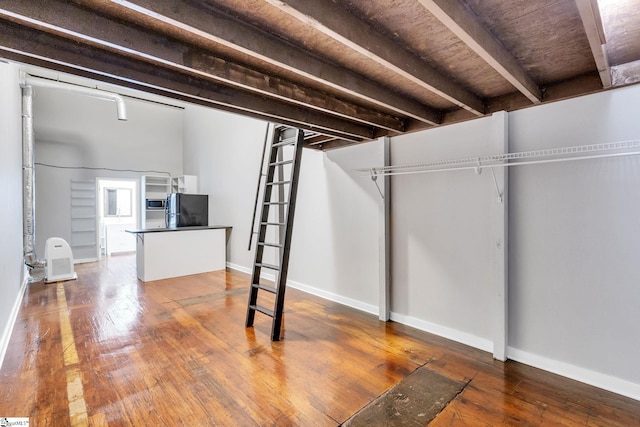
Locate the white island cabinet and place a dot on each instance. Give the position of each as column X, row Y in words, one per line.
column 162, row 253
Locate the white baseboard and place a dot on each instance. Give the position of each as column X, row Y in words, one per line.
column 596, row 379
column 84, row 260
column 349, row 302
column 238, row 268
column 13, row 316
column 587, row 376
column 443, row 331
column 452, row 334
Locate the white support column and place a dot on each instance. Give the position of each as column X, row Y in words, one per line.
column 384, row 237
column 500, row 177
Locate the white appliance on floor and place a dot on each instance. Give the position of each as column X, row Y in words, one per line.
column 59, row 258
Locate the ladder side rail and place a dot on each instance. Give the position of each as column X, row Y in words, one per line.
column 281, row 198
column 255, row 276
column 284, row 259
column 270, row 128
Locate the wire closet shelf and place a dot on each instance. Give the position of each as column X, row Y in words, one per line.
column 550, row 155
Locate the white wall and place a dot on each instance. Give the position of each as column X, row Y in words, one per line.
column 334, row 247
column 442, row 244
column 574, row 232
column 11, row 264
column 223, row 150
column 575, row 236
column 76, row 130
column 335, row 240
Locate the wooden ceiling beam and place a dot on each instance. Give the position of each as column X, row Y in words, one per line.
column 467, row 27
column 319, row 140
column 248, row 40
column 592, row 23
column 72, row 21
column 36, row 47
column 332, row 20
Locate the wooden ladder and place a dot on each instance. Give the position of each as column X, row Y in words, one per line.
column 284, row 153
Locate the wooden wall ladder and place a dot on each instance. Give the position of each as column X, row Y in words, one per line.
column 284, row 159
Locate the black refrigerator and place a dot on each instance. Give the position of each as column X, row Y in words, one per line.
column 187, row 210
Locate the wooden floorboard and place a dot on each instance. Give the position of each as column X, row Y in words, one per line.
column 176, row 352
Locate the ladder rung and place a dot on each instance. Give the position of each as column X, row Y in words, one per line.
column 279, row 224
column 273, row 245
column 287, row 141
column 262, row 309
column 281, row 162
column 265, row 287
column 276, row 203
column 269, row 266
column 278, row 182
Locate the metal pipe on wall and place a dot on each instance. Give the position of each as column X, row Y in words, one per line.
column 96, row 93
column 28, row 194
column 28, row 159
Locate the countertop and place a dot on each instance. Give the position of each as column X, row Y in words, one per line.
column 161, row 230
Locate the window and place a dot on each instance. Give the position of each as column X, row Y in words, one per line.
column 117, row 202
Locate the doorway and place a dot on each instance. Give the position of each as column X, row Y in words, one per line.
column 117, row 211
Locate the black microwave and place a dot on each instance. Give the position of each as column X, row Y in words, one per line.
column 156, row 204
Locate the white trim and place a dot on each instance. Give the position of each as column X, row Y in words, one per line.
column 384, row 236
column 452, row 334
column 238, row 268
column 85, row 260
column 596, row 379
column 349, row 302
column 443, row 331
column 500, row 238
column 13, row 316
column 587, row 376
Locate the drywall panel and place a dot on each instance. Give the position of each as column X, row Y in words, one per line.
column 334, row 246
column 335, row 240
column 223, row 150
column 11, row 265
column 74, row 130
column 574, row 239
column 442, row 241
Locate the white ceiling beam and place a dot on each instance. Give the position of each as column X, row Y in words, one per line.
column 592, row 23
column 456, row 16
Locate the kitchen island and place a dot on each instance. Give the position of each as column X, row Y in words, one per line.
column 162, row 253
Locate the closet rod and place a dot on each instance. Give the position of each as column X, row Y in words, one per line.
column 503, row 160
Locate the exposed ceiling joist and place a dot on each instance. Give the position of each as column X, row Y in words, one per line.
column 236, row 35
column 467, row 27
column 592, row 22
column 337, row 23
column 24, row 44
column 319, row 140
column 347, row 71
column 79, row 24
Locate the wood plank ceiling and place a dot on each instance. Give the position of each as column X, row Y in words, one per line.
column 347, row 70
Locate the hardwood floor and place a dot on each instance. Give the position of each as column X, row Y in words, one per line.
column 109, row 350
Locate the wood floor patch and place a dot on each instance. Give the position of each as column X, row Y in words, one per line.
column 75, row 393
column 414, row 401
column 68, row 343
